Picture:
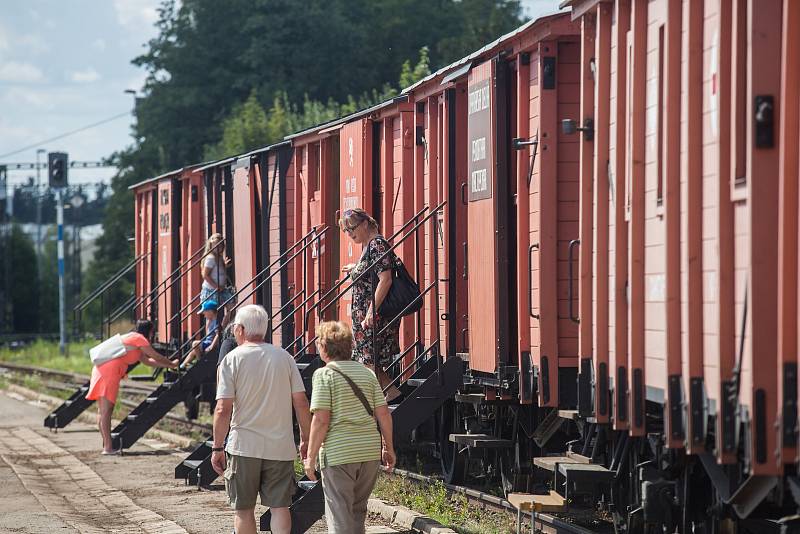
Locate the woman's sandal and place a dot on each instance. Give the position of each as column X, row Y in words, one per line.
column 115, row 452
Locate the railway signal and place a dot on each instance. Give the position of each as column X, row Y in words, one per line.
column 57, row 165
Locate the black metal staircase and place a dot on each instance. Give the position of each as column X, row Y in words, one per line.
column 419, row 404
column 196, row 468
column 426, row 383
column 77, row 403
column 172, row 391
column 71, row 408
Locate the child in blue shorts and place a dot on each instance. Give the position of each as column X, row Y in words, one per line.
column 211, row 339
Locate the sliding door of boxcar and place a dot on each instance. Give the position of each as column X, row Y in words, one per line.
column 244, row 249
column 166, row 259
column 487, row 253
column 355, row 189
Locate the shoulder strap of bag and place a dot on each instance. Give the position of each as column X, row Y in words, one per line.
column 356, row 390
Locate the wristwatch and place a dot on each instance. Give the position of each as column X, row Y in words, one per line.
column 217, row 449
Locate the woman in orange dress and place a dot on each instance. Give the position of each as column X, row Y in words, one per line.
column 104, row 385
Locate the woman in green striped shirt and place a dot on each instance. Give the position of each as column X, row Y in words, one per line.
column 345, row 444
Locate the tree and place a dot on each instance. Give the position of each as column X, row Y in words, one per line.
column 24, row 291
column 409, row 76
column 225, row 77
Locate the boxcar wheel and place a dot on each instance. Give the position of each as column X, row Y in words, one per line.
column 454, row 462
column 515, row 470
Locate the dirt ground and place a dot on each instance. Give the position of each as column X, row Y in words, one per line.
column 59, row 483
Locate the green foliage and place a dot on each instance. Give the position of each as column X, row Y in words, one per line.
column 226, row 77
column 409, row 76
column 434, row 500
column 46, row 354
column 210, row 56
column 247, row 127
column 24, row 289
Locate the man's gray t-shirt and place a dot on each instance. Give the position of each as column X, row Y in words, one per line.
column 260, row 378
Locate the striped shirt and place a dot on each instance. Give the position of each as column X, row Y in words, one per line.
column 352, row 435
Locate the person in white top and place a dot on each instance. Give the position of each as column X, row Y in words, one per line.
column 258, row 386
column 214, row 268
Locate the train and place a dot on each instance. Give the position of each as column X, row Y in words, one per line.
column 601, row 210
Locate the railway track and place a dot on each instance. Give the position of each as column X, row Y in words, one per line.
column 134, row 391
column 545, row 523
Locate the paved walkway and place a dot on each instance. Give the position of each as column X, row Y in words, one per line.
column 58, row 482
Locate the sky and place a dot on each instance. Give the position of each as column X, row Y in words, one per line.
column 65, row 64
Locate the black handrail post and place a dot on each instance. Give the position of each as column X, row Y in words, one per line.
column 418, row 259
column 437, row 354
column 102, row 312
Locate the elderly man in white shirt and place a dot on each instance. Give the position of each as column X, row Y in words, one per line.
column 258, row 386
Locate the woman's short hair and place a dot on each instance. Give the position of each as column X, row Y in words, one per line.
column 144, row 327
column 254, row 320
column 336, row 339
column 212, row 242
column 353, row 217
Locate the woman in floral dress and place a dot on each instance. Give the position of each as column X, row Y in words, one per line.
column 373, row 346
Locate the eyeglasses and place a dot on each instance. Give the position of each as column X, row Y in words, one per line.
column 350, row 229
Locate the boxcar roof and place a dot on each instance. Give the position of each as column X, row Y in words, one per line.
column 467, row 60
column 164, row 175
column 347, row 118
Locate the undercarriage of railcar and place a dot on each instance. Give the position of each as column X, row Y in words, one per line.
column 600, row 476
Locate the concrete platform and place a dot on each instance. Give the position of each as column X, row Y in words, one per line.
column 59, row 483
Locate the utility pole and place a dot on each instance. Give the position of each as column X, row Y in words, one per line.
column 39, row 207
column 57, row 174
column 5, row 290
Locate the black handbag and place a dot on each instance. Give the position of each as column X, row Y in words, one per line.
column 403, row 292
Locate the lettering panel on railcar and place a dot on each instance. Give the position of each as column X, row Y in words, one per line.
column 483, row 213
column 165, row 256
column 355, row 190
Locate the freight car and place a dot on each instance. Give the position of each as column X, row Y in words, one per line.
column 601, row 210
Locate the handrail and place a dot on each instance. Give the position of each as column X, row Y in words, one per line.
column 408, row 307
column 257, row 275
column 191, row 259
column 402, row 355
column 149, row 294
column 258, row 286
column 391, row 249
column 122, row 308
column 396, row 379
column 88, row 299
column 366, row 271
column 340, row 283
column 268, row 278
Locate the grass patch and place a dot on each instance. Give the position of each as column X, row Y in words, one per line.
column 42, row 353
column 452, row 510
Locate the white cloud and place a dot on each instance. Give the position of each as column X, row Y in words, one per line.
column 99, row 44
column 34, row 43
column 3, row 38
column 27, row 98
column 17, row 72
column 539, row 8
column 136, row 13
column 87, row 75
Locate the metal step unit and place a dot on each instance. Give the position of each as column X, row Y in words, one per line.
column 308, row 506
column 71, row 408
column 417, row 406
column 196, row 468
column 174, row 390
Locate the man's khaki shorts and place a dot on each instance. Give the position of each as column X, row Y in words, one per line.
column 246, row 478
